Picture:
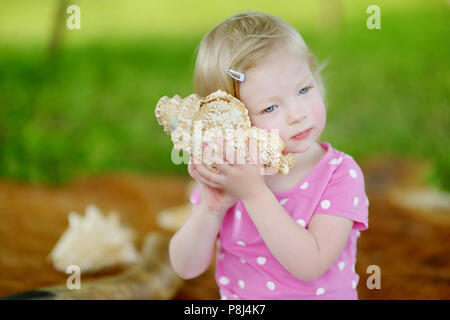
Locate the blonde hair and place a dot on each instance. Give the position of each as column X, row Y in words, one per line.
column 240, row 43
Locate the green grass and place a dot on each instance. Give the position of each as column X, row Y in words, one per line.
column 90, row 108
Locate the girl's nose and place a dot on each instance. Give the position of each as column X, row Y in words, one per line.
column 296, row 114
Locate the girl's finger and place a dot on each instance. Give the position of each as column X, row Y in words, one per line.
column 220, row 163
column 220, row 151
column 215, row 156
column 192, row 171
column 190, row 168
column 206, row 181
column 208, row 153
column 194, row 160
column 209, row 174
column 195, row 175
column 228, row 152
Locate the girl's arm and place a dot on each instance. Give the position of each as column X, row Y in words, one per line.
column 305, row 253
column 192, row 247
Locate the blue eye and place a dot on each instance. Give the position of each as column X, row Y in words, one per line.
column 304, row 90
column 269, row 108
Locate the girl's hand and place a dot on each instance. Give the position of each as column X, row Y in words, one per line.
column 213, row 196
column 241, row 179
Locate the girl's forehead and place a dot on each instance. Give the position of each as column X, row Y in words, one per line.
column 280, row 58
column 278, row 70
column 274, row 76
column 278, row 66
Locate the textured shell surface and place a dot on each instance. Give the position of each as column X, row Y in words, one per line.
column 194, row 121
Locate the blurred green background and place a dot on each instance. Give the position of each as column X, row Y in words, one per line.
column 88, row 106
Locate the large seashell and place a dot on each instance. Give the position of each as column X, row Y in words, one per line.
column 192, row 122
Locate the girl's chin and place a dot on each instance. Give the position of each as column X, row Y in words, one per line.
column 300, row 148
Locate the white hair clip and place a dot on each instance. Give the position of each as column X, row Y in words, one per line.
column 236, row 75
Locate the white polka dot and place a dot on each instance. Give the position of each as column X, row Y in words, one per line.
column 261, row 260
column 238, row 214
column 320, row 291
column 304, row 185
column 270, row 285
column 283, row 201
column 353, row 268
column 325, row 204
column 355, row 201
column 224, row 280
column 223, row 298
column 241, row 284
column 354, row 284
column 235, row 296
column 341, row 265
column 340, row 160
column 367, row 201
column 333, row 161
column 243, row 260
column 352, row 173
column 241, row 243
column 301, row 222
column 193, row 201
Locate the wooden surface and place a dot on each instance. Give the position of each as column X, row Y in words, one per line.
column 412, row 253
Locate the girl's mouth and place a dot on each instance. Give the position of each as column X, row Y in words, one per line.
column 302, row 135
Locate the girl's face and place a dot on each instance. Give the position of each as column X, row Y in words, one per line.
column 280, row 93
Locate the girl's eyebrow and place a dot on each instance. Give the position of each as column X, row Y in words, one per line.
column 302, row 81
column 306, row 79
column 266, row 98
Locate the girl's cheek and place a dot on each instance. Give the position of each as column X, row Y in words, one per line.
column 271, row 125
column 259, row 123
column 320, row 115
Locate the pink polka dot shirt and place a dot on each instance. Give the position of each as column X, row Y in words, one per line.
column 246, row 269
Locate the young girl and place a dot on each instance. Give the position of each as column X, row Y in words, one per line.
column 280, row 237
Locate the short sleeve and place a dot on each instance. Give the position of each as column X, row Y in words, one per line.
column 345, row 195
column 195, row 196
